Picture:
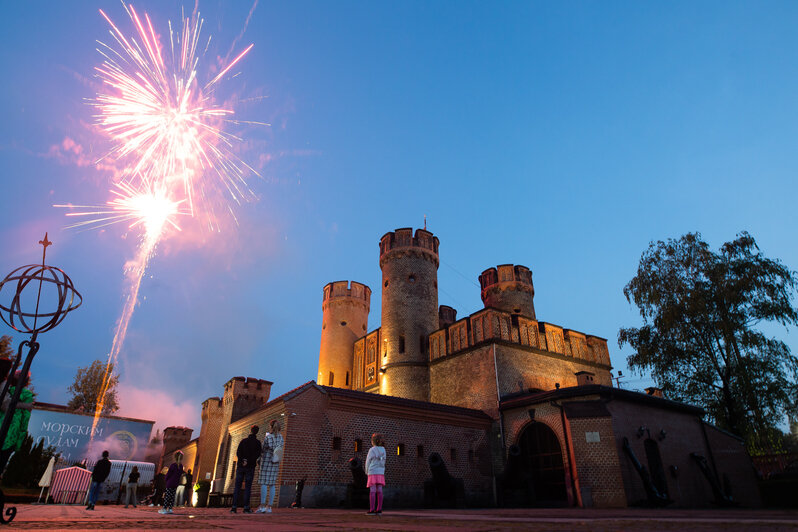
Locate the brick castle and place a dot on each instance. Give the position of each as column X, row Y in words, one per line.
column 521, row 412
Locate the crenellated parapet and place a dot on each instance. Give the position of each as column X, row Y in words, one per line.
column 242, row 395
column 423, row 243
column 509, row 288
column 491, row 324
column 346, row 291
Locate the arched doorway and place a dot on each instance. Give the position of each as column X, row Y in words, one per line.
column 536, row 462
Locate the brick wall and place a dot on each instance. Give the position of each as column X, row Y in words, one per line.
column 468, row 379
column 687, row 486
column 210, row 436
column 319, row 419
column 730, row 459
column 597, row 462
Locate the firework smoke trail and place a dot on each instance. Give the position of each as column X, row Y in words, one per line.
column 168, row 132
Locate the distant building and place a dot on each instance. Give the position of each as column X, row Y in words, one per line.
column 522, row 411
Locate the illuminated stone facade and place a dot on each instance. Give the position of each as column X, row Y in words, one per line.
column 522, row 411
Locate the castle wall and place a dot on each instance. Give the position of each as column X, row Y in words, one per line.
column 468, row 378
column 213, row 423
column 319, row 420
column 597, row 462
column 683, row 435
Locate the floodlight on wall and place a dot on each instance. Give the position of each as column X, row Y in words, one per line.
column 640, row 431
column 662, row 434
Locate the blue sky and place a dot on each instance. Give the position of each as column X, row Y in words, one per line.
column 561, row 136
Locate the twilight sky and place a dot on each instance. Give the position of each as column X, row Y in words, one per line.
column 561, row 136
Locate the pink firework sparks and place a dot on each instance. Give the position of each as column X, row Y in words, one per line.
column 168, row 134
column 163, row 125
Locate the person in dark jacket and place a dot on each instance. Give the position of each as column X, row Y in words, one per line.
column 172, row 482
column 248, row 453
column 101, row 471
column 159, row 486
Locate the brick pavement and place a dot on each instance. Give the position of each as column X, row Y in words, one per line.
column 59, row 517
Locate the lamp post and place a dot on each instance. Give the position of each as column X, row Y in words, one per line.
column 18, row 318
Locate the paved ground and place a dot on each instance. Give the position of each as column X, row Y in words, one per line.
column 55, row 517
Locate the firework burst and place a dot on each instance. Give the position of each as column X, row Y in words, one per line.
column 168, row 134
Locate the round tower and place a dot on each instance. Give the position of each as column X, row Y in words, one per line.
column 345, row 309
column 409, row 267
column 509, row 288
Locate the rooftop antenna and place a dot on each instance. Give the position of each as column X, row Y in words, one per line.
column 425, row 222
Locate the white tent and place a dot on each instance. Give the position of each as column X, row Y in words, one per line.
column 44, row 482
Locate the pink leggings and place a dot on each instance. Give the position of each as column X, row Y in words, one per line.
column 375, row 493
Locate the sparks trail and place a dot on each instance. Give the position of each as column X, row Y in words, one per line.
column 168, row 133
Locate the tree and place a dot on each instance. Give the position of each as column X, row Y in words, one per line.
column 699, row 337
column 88, row 386
column 6, row 351
column 27, row 465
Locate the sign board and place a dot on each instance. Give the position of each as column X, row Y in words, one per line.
column 70, row 433
column 592, row 437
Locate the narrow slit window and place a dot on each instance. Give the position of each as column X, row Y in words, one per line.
column 401, row 343
column 336, row 443
column 400, row 449
column 331, row 379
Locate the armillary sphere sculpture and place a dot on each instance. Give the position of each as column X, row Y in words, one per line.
column 31, row 321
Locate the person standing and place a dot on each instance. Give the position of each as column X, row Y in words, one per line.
column 180, row 494
column 375, row 468
column 270, row 465
column 189, row 488
column 98, row 475
column 18, row 428
column 248, row 453
column 172, row 480
column 159, row 486
column 131, row 486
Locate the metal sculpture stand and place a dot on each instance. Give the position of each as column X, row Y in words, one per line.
column 15, row 317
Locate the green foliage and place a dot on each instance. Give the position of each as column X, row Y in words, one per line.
column 27, row 465
column 88, row 387
column 699, row 339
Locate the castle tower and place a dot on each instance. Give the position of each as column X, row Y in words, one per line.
column 345, row 308
column 409, row 311
column 509, row 288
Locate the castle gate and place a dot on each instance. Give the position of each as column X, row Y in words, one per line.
column 542, row 457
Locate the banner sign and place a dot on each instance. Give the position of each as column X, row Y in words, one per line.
column 70, row 434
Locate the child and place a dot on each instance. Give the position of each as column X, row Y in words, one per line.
column 375, row 468
column 172, row 481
